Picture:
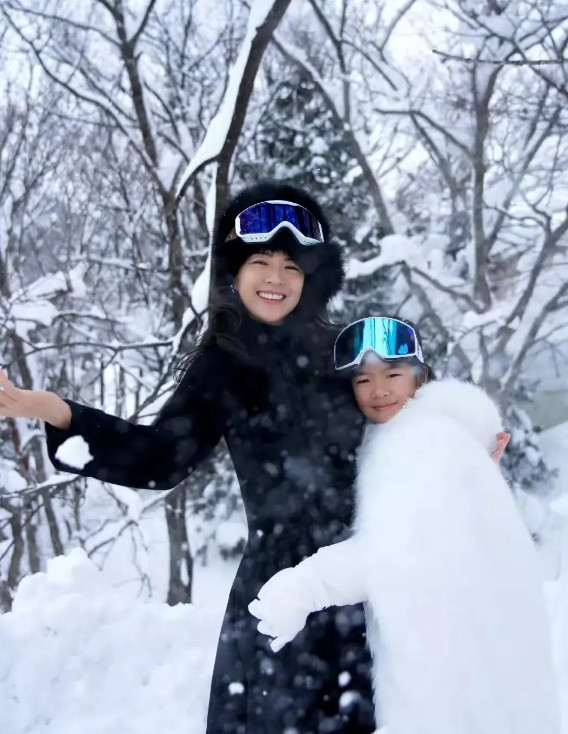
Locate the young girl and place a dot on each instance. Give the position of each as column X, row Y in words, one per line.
column 262, row 369
column 454, row 609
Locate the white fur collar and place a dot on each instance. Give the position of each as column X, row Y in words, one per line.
column 464, row 402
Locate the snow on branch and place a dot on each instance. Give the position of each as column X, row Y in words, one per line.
column 353, row 140
column 237, row 93
column 497, row 62
column 31, row 306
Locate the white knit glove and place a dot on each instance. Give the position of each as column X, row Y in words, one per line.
column 282, row 607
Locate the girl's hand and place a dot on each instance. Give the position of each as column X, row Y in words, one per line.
column 18, row 403
column 279, row 608
column 500, row 445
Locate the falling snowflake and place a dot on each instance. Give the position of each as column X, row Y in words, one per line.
column 236, row 688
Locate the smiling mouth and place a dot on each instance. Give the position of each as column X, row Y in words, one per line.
column 273, row 297
column 383, row 407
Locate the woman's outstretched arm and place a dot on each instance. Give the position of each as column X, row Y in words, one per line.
column 157, row 456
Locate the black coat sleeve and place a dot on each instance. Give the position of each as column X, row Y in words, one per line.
column 157, row 456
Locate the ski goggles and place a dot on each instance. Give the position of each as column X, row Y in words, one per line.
column 261, row 221
column 388, row 338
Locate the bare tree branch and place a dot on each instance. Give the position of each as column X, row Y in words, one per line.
column 296, row 58
column 497, row 62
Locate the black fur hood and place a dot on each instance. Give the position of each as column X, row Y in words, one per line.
column 322, row 263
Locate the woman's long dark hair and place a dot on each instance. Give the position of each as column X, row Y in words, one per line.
column 225, row 317
column 226, row 314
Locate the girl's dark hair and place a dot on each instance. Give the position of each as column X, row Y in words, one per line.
column 424, row 373
column 322, row 265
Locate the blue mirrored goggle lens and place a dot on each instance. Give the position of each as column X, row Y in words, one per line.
column 389, row 338
column 264, row 217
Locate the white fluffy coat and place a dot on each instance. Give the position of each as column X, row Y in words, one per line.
column 455, row 615
column 458, row 625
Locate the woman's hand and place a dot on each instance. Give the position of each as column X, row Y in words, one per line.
column 500, row 445
column 18, row 403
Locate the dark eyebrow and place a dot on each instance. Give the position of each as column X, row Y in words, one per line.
column 289, row 257
column 270, row 253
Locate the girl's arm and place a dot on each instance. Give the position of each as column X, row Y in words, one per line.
column 331, row 577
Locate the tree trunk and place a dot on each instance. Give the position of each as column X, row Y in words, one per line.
column 181, row 561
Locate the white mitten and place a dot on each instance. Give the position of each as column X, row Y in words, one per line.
column 281, row 607
column 332, row 576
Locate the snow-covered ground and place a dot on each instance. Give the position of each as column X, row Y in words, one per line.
column 555, row 444
column 78, row 654
column 81, row 652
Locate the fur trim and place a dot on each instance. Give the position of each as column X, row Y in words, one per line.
column 467, row 404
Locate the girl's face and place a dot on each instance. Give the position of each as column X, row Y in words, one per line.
column 382, row 388
column 270, row 285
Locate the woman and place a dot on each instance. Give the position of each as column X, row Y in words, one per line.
column 262, row 378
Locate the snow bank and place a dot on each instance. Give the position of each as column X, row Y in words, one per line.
column 556, row 594
column 78, row 655
column 555, row 539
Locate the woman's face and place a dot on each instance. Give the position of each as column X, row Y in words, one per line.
column 382, row 388
column 270, row 285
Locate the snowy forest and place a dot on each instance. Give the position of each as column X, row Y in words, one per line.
column 435, row 134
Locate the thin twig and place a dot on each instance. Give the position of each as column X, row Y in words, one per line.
column 496, row 62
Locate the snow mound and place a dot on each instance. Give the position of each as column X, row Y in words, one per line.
column 81, row 656
column 556, row 595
